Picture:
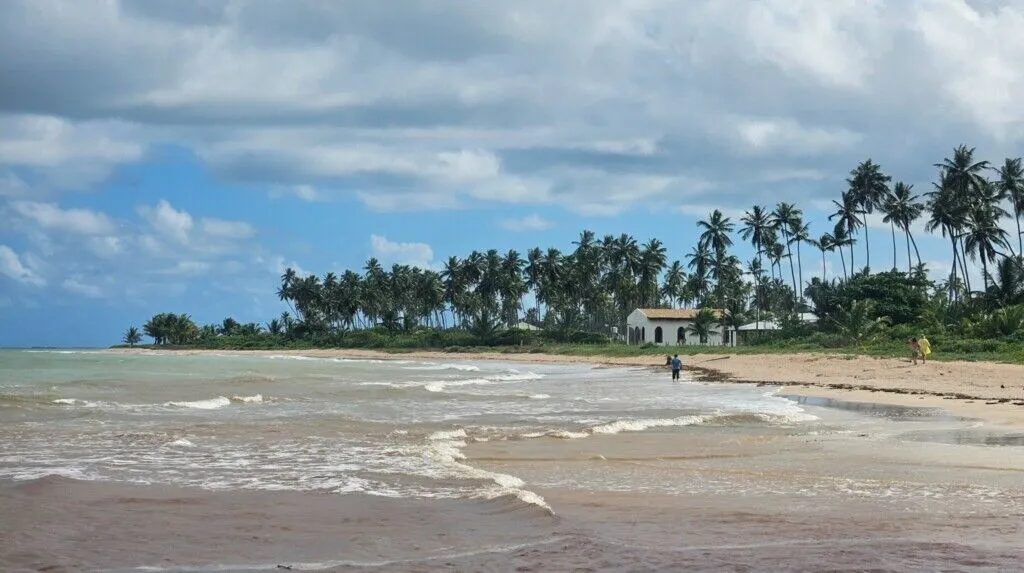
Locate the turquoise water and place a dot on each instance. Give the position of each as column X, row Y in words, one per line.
column 276, row 422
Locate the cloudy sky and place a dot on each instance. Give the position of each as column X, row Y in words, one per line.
column 158, row 155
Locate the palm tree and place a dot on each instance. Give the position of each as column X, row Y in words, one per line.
column 703, row 321
column 1011, row 186
column 672, row 286
column 848, row 217
column 869, row 188
column 757, row 228
column 799, row 233
column 842, row 238
column 715, row 236
column 785, row 216
column 902, row 209
column 983, row 236
column 948, row 216
column 132, row 337
column 826, row 243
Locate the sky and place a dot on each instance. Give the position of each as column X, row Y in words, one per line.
column 165, row 156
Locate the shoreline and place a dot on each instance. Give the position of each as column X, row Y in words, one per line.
column 991, row 392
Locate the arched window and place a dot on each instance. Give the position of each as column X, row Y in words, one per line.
column 643, row 333
column 657, row 335
column 681, row 335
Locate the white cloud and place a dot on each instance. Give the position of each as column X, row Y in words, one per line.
column 75, row 285
column 51, row 217
column 533, row 222
column 12, row 266
column 414, row 254
column 168, row 221
column 464, row 103
column 227, row 229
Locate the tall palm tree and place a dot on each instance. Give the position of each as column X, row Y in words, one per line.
column 869, row 187
column 785, row 216
column 848, row 217
column 948, row 216
column 902, row 209
column 983, row 236
column 757, row 226
column 715, row 236
column 842, row 238
column 1011, row 186
column 799, row 233
column 826, row 243
column 672, row 287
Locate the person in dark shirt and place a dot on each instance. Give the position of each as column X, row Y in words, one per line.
column 677, row 365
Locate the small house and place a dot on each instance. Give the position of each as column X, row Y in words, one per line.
column 673, row 327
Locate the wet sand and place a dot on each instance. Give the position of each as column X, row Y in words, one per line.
column 985, row 390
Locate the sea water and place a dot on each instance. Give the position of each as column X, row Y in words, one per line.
column 241, row 461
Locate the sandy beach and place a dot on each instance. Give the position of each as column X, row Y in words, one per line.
column 987, row 391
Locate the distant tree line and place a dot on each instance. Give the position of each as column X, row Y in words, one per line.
column 585, row 291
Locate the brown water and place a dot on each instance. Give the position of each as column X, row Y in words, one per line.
column 360, row 467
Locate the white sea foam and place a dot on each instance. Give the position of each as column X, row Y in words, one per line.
column 182, row 442
column 433, row 366
column 254, row 399
column 76, row 402
column 444, row 449
column 210, row 404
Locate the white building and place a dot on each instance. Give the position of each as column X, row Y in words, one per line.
column 744, row 332
column 672, row 327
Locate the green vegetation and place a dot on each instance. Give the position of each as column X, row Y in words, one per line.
column 582, row 296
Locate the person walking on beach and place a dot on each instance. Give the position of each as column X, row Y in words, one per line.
column 915, row 350
column 677, row 365
column 926, row 348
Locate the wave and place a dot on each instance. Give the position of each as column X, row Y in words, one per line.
column 640, row 424
column 442, row 385
column 431, row 366
column 444, row 448
column 209, row 404
column 254, row 399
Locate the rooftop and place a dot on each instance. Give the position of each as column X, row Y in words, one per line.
column 676, row 313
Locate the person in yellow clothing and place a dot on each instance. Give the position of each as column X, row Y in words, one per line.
column 926, row 348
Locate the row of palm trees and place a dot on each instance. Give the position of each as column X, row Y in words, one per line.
column 596, row 283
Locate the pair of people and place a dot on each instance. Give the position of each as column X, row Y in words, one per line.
column 920, row 348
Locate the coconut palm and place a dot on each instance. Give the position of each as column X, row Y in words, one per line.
column 715, row 236
column 902, row 209
column 826, row 243
column 799, row 233
column 1011, row 186
column 847, row 215
column 784, row 218
column 757, row 228
column 132, row 336
column 869, row 188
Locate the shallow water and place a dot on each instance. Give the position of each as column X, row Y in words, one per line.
column 411, row 464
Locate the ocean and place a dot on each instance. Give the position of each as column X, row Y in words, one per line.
column 114, row 461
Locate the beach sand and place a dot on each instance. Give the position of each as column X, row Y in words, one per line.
column 988, row 391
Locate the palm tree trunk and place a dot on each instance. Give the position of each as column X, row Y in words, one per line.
column 867, row 245
column 824, row 277
column 963, row 267
column 800, row 266
column 909, row 261
column 842, row 258
column 892, row 228
column 914, row 242
column 1020, row 240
